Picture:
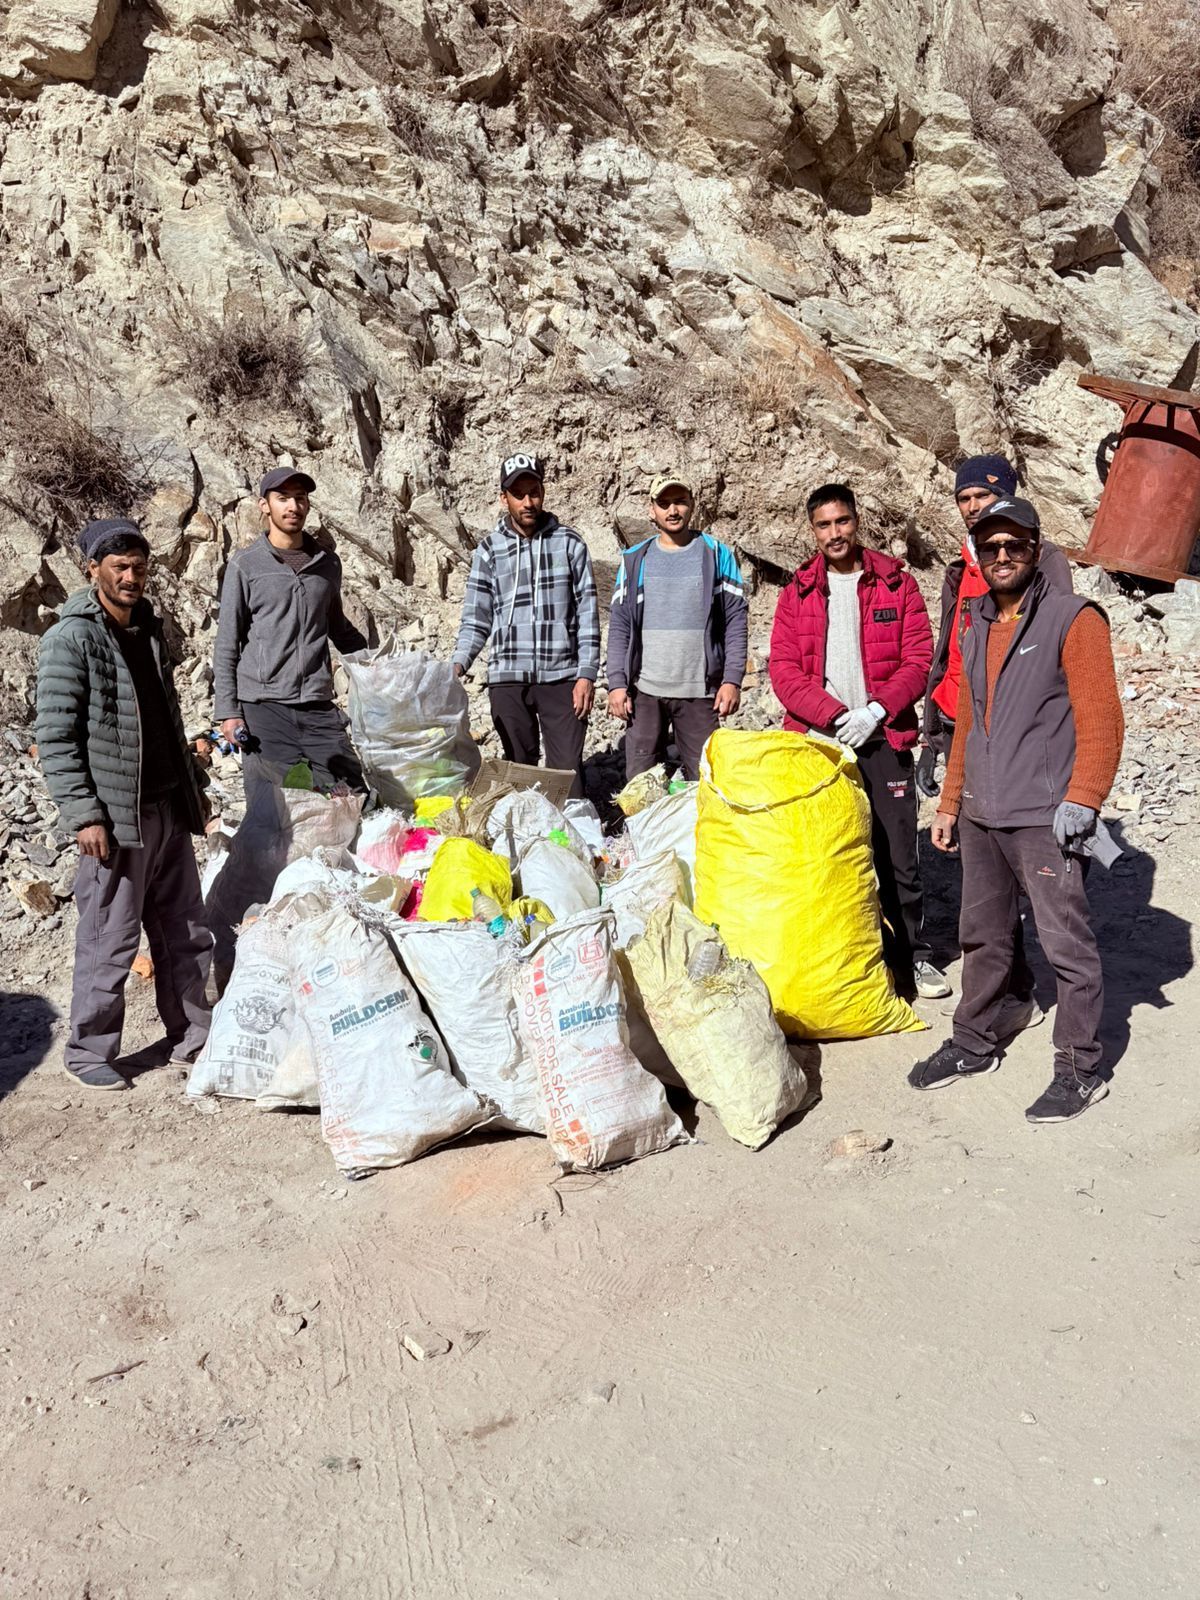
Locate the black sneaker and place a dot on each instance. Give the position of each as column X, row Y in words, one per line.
column 1066, row 1097
column 948, row 1063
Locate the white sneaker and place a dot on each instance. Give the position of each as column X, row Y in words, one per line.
column 930, row 983
column 1016, row 1015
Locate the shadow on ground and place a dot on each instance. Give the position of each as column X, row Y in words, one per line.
column 26, row 1034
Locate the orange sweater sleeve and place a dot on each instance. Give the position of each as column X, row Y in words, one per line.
column 1087, row 660
column 964, row 718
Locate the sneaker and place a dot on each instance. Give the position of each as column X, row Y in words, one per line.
column 948, row 1063
column 100, row 1076
column 930, row 983
column 1016, row 1015
column 1066, row 1097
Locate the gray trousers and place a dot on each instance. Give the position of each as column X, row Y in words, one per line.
column 157, row 887
column 997, row 864
column 691, row 721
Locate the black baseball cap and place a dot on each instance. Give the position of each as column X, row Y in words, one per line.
column 96, row 537
column 518, row 466
column 278, row 476
column 1012, row 509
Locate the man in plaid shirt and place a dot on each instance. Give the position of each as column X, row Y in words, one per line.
column 531, row 598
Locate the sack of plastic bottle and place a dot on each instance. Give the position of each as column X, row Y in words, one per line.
column 713, row 1017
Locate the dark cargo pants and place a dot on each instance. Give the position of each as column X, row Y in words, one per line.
column 157, row 887
column 997, row 864
column 691, row 720
column 282, row 734
column 887, row 776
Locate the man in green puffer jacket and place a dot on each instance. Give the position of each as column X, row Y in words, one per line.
column 117, row 764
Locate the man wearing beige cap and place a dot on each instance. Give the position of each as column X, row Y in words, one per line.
column 676, row 635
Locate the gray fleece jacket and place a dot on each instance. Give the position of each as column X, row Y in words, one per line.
column 275, row 629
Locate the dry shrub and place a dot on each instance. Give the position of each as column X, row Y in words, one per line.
column 562, row 72
column 413, row 131
column 1160, row 68
column 76, row 468
column 245, row 359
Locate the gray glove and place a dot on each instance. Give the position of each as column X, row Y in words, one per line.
column 856, row 727
column 1072, row 823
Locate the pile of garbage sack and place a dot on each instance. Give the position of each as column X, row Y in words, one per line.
column 471, row 956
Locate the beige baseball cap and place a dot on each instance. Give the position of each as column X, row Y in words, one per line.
column 669, row 480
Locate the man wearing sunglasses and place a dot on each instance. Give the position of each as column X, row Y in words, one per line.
column 978, row 483
column 1037, row 740
column 676, row 635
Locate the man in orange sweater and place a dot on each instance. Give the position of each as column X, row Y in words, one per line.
column 1037, row 742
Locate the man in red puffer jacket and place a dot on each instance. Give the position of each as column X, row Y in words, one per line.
column 850, row 654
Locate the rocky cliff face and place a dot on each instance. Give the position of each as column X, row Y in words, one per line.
column 773, row 240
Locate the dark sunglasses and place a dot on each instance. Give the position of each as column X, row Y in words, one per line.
column 1014, row 549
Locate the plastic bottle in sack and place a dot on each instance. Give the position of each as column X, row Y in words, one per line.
column 484, row 909
column 707, row 960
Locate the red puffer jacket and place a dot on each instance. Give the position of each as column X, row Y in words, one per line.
column 897, row 647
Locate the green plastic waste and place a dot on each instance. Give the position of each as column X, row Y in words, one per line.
column 299, row 777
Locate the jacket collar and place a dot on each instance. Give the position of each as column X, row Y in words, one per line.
column 549, row 522
column 86, row 603
column 1033, row 595
column 878, row 567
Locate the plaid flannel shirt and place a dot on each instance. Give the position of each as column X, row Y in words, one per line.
column 532, row 601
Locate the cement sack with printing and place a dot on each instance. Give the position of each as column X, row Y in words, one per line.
column 387, row 1091
column 600, row 1106
column 253, row 1021
column 466, row 979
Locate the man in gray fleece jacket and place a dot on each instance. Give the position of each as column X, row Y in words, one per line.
column 531, row 598
column 281, row 608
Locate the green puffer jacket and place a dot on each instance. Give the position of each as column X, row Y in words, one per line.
column 88, row 729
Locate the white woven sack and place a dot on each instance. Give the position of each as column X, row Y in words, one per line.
column 600, row 1106
column 253, row 1020
column 669, row 824
column 560, row 880
column 466, row 979
column 387, row 1091
column 640, row 890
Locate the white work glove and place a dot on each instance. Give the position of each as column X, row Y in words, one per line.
column 856, row 727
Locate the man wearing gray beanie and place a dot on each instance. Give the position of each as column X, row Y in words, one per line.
column 117, row 764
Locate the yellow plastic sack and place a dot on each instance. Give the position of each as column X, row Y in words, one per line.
column 719, row 1032
column 460, row 866
column 430, row 806
column 528, row 907
column 783, row 868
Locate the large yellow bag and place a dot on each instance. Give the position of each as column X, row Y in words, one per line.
column 459, row 866
column 784, row 870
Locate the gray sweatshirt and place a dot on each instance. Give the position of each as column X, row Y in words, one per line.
column 275, row 629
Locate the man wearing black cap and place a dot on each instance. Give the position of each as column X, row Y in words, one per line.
column 531, row 598
column 116, row 761
column 1037, row 741
column 281, row 607
column 978, row 483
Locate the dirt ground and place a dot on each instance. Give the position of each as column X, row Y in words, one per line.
column 963, row 1367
